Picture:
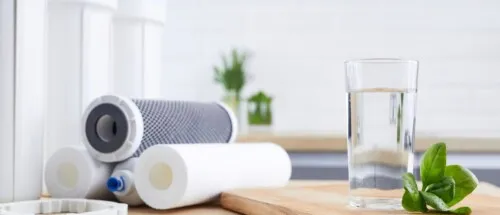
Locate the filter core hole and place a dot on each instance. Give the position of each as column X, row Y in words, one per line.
column 161, row 176
column 67, row 173
column 106, row 128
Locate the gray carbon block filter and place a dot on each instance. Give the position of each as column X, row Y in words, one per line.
column 116, row 128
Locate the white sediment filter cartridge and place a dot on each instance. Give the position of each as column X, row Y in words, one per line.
column 121, row 183
column 178, row 175
column 116, row 128
column 71, row 172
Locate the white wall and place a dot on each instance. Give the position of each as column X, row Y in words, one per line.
column 299, row 47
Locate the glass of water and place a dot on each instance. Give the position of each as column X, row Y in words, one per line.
column 381, row 103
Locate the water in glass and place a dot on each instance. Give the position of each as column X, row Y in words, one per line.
column 380, row 138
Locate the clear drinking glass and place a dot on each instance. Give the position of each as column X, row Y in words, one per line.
column 381, row 103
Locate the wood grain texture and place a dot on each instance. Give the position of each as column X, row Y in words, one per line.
column 195, row 210
column 331, row 199
column 306, row 191
column 215, row 209
column 319, row 143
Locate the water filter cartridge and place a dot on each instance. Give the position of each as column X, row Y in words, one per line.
column 176, row 175
column 72, row 173
column 117, row 128
column 121, row 183
column 22, row 99
column 138, row 27
column 79, row 35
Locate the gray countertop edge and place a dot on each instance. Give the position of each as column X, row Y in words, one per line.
column 333, row 160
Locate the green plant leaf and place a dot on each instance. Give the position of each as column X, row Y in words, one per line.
column 462, row 210
column 433, row 164
column 410, row 183
column 218, row 75
column 438, row 204
column 412, row 200
column 445, row 189
column 412, row 204
column 231, row 74
column 443, row 186
column 465, row 182
column 434, row 201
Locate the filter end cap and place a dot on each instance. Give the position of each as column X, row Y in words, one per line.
column 115, row 184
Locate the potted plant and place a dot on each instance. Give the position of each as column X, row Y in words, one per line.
column 233, row 77
column 260, row 116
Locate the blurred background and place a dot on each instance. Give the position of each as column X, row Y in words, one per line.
column 280, row 66
column 296, row 52
column 297, row 49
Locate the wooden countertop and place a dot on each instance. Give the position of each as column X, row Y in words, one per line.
column 321, row 143
column 483, row 188
column 196, row 210
column 213, row 209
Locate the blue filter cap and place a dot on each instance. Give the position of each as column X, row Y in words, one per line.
column 115, row 184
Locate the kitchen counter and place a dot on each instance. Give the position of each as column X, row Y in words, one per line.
column 324, row 143
column 196, row 210
column 213, row 209
column 483, row 188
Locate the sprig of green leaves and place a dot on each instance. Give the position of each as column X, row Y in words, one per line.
column 442, row 186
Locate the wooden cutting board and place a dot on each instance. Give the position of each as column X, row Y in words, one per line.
column 194, row 210
column 331, row 199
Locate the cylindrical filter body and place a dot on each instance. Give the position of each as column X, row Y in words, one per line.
column 79, row 65
column 22, row 99
column 177, row 175
column 72, row 173
column 138, row 36
column 121, row 183
column 117, row 128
